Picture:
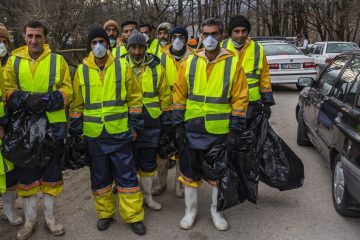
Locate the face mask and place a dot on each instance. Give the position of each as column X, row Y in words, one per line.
column 177, row 44
column 163, row 42
column 210, row 43
column 99, row 50
column 112, row 42
column 3, row 50
column 239, row 43
column 146, row 37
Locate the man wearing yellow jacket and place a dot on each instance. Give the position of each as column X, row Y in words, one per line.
column 210, row 103
column 150, row 78
column 153, row 45
column 5, row 166
column 107, row 111
column 9, row 197
column 171, row 59
column 253, row 60
column 127, row 28
column 163, row 35
column 38, row 81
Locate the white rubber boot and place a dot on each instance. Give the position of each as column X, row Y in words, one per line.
column 217, row 217
column 191, row 207
column 30, row 212
column 55, row 229
column 146, row 183
column 10, row 213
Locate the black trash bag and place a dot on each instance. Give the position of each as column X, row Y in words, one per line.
column 241, row 178
column 74, row 155
column 215, row 160
column 246, row 164
column 166, row 147
column 28, row 143
column 279, row 166
column 231, row 191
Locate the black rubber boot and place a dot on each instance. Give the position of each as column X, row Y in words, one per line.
column 103, row 224
column 138, row 228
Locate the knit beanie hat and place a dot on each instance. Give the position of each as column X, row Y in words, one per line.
column 4, row 33
column 180, row 30
column 136, row 38
column 164, row 26
column 239, row 21
column 97, row 32
column 111, row 23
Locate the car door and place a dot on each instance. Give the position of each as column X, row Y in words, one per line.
column 348, row 123
column 333, row 107
column 318, row 54
column 320, row 93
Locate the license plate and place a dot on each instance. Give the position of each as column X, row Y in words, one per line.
column 290, row 66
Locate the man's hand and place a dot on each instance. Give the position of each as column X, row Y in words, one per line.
column 267, row 111
column 36, row 103
column 232, row 140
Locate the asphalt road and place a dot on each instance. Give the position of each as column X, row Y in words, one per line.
column 305, row 213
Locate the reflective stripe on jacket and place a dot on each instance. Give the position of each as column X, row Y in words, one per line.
column 210, row 98
column 45, row 79
column 104, row 102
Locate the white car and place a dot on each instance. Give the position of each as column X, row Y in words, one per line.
column 287, row 63
column 324, row 52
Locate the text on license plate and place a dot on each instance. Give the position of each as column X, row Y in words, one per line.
column 290, row 66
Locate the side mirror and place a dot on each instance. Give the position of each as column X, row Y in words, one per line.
column 305, row 81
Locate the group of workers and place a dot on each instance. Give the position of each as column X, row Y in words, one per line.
column 124, row 98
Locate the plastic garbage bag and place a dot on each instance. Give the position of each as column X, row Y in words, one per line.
column 246, row 164
column 215, row 160
column 28, row 143
column 166, row 147
column 230, row 193
column 74, row 154
column 279, row 166
column 239, row 181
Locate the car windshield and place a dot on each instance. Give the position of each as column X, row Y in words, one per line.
column 281, row 49
column 341, row 47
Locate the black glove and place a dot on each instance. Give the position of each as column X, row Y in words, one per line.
column 36, row 103
column 232, row 140
column 180, row 138
column 17, row 100
column 267, row 111
column 76, row 125
column 55, row 101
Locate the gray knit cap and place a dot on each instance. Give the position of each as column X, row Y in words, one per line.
column 136, row 38
column 164, row 26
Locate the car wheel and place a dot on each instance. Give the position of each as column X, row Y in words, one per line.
column 302, row 138
column 341, row 197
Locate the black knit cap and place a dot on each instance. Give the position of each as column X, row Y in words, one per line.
column 95, row 32
column 180, row 30
column 239, row 21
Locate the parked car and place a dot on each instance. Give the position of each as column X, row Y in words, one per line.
column 328, row 115
column 270, row 38
column 324, row 52
column 287, row 63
